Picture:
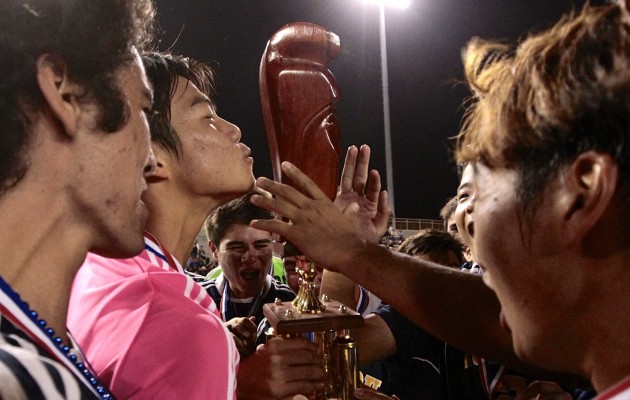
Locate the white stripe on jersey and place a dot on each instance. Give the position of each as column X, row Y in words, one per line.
column 72, row 390
column 200, row 296
column 233, row 359
column 190, row 284
column 11, row 387
column 35, row 367
column 23, row 343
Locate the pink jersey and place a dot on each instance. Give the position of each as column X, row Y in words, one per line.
column 149, row 331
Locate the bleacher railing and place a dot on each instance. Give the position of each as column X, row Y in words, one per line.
column 413, row 224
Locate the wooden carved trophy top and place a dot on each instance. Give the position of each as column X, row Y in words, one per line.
column 297, row 94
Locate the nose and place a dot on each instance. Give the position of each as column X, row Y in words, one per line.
column 251, row 253
column 150, row 164
column 470, row 203
column 233, row 131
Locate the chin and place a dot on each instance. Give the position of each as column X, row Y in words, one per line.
column 121, row 244
column 120, row 250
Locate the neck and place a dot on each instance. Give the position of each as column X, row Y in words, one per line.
column 241, row 295
column 176, row 219
column 42, row 245
column 604, row 315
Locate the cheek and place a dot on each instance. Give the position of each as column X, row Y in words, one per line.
column 265, row 259
column 230, row 262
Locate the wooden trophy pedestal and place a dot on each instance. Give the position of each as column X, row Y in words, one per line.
column 286, row 320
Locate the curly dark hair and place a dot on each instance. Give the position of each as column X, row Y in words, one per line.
column 93, row 38
column 163, row 69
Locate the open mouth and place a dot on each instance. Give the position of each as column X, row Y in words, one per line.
column 471, row 229
column 250, row 276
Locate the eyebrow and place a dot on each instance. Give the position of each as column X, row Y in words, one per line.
column 202, row 100
column 242, row 242
column 464, row 185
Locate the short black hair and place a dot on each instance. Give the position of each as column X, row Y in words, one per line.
column 163, row 69
column 238, row 211
column 431, row 241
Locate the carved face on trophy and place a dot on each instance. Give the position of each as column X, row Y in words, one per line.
column 298, row 93
column 302, row 128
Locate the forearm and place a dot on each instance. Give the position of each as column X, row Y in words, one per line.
column 452, row 305
column 339, row 287
column 375, row 340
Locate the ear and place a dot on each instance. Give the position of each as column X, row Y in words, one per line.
column 590, row 184
column 214, row 250
column 59, row 91
column 163, row 162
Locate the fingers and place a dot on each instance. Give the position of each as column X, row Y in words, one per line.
column 383, row 212
column 354, row 175
column 298, row 373
column 270, row 225
column 361, row 170
column 347, row 173
column 278, row 205
column 302, row 181
column 286, row 193
column 289, row 344
column 374, row 186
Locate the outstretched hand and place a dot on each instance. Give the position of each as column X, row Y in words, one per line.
column 318, row 228
column 363, row 188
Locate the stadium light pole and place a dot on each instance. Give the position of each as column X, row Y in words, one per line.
column 401, row 4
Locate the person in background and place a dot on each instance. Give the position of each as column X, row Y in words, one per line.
column 398, row 357
column 244, row 255
column 446, row 213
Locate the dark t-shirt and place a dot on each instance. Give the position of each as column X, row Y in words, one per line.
column 423, row 367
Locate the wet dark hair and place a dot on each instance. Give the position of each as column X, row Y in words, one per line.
column 93, row 38
column 238, row 211
column 163, row 69
column 432, row 241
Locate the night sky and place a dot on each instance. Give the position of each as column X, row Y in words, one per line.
column 425, row 73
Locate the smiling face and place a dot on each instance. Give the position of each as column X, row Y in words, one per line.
column 463, row 213
column 525, row 265
column 111, row 175
column 244, row 254
column 213, row 163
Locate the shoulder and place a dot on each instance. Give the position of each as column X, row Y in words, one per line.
column 212, row 287
column 281, row 291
